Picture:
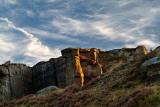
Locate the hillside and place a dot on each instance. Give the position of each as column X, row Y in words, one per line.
column 130, row 78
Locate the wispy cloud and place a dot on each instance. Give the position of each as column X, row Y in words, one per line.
column 69, row 25
column 52, row 1
column 11, row 1
column 123, row 21
column 80, row 23
column 5, row 46
column 8, row 2
column 34, row 48
column 51, row 35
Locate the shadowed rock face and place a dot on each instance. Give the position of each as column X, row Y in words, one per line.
column 52, row 72
column 17, row 80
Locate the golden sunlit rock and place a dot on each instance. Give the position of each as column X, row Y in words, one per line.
column 79, row 69
column 93, row 59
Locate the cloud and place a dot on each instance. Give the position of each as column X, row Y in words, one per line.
column 37, row 50
column 52, row 1
column 98, row 28
column 117, row 23
column 33, row 48
column 80, row 23
column 6, row 46
column 30, row 13
column 68, row 25
column 146, row 42
column 5, row 2
column 51, row 35
column 11, row 1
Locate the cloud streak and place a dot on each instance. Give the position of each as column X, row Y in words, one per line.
column 34, row 48
column 100, row 28
column 80, row 23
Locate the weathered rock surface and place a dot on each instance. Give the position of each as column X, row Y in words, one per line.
column 17, row 80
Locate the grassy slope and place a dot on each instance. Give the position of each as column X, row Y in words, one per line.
column 127, row 86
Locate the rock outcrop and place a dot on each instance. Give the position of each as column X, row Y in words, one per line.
column 17, row 80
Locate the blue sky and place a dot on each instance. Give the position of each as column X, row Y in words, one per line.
column 35, row 30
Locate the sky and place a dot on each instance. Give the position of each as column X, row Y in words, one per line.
column 36, row 30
